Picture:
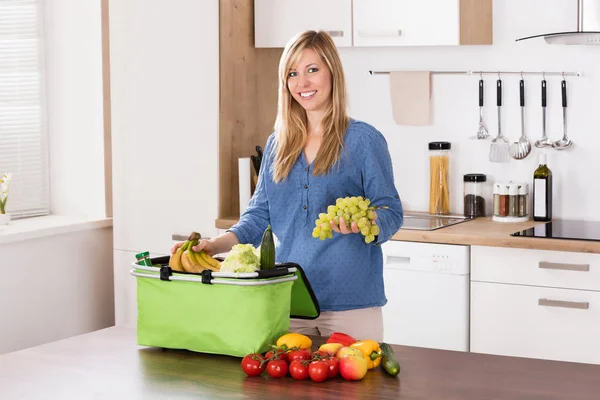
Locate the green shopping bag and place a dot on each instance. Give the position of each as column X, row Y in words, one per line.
column 219, row 313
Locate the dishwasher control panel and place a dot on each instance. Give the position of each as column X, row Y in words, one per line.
column 427, row 257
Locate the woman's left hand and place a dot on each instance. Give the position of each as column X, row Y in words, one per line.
column 343, row 229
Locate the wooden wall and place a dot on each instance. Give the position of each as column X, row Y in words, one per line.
column 248, row 96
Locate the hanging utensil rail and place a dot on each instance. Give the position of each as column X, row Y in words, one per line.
column 545, row 73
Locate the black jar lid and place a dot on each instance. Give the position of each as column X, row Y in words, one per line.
column 475, row 178
column 439, row 145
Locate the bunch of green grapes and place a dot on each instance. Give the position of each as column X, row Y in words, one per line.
column 352, row 209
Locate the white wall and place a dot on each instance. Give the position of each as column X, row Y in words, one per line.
column 75, row 110
column 55, row 287
column 456, row 110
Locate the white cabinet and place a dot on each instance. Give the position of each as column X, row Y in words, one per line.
column 536, row 322
column 406, row 22
column 277, row 21
column 535, row 303
column 165, row 120
column 362, row 23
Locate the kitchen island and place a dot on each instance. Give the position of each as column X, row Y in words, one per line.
column 108, row 364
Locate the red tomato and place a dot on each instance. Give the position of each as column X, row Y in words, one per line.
column 282, row 355
column 302, row 354
column 319, row 355
column 334, row 367
column 251, row 364
column 318, row 371
column 298, row 370
column 277, row 368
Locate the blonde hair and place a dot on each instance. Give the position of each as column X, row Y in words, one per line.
column 291, row 123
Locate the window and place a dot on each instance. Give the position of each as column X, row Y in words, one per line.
column 23, row 128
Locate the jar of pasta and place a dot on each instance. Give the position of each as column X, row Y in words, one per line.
column 439, row 178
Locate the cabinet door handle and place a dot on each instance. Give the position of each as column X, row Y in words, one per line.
column 381, row 33
column 583, row 305
column 336, row 33
column 563, row 266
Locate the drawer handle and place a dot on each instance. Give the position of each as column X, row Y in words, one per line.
column 336, row 33
column 381, row 33
column 564, row 267
column 582, row 305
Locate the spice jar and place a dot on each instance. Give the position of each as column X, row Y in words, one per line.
column 513, row 200
column 496, row 200
column 523, row 194
column 503, row 198
column 510, row 202
column 474, row 195
column 439, row 178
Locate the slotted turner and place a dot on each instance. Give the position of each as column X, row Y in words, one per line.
column 499, row 146
column 522, row 147
column 482, row 132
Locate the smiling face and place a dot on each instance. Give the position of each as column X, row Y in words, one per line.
column 309, row 82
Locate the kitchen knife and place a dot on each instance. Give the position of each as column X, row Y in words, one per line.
column 254, row 162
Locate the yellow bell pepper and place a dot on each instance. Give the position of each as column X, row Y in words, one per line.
column 370, row 351
column 294, row 339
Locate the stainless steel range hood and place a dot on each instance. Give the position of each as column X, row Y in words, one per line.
column 588, row 27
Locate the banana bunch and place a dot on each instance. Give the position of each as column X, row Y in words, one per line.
column 187, row 260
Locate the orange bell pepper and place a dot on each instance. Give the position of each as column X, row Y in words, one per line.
column 371, row 352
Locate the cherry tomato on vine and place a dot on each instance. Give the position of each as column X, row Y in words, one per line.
column 334, row 367
column 277, row 368
column 318, row 371
column 298, row 370
column 251, row 364
column 302, row 354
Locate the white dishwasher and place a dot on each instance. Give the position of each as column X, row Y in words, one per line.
column 427, row 287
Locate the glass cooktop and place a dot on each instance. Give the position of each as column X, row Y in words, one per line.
column 564, row 229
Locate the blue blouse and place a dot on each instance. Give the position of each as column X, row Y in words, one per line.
column 344, row 272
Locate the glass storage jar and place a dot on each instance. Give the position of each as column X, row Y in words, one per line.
column 474, row 195
column 523, row 195
column 439, row 177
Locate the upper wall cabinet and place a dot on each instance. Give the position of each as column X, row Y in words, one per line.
column 406, row 22
column 372, row 23
column 277, row 21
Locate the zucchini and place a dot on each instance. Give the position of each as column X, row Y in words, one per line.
column 267, row 250
column 389, row 362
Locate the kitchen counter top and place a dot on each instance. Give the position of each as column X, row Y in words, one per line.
column 481, row 232
column 108, row 364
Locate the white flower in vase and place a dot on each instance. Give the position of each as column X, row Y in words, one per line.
column 4, row 186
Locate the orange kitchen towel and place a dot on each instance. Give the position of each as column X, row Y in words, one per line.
column 411, row 95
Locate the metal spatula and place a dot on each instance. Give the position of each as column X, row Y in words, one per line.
column 499, row 147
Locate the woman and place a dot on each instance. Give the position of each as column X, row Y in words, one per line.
column 316, row 155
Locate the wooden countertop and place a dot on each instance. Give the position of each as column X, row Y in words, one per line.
column 108, row 364
column 480, row 232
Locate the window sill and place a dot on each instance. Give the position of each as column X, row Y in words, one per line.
column 49, row 225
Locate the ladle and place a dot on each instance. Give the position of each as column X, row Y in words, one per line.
column 544, row 141
column 565, row 142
